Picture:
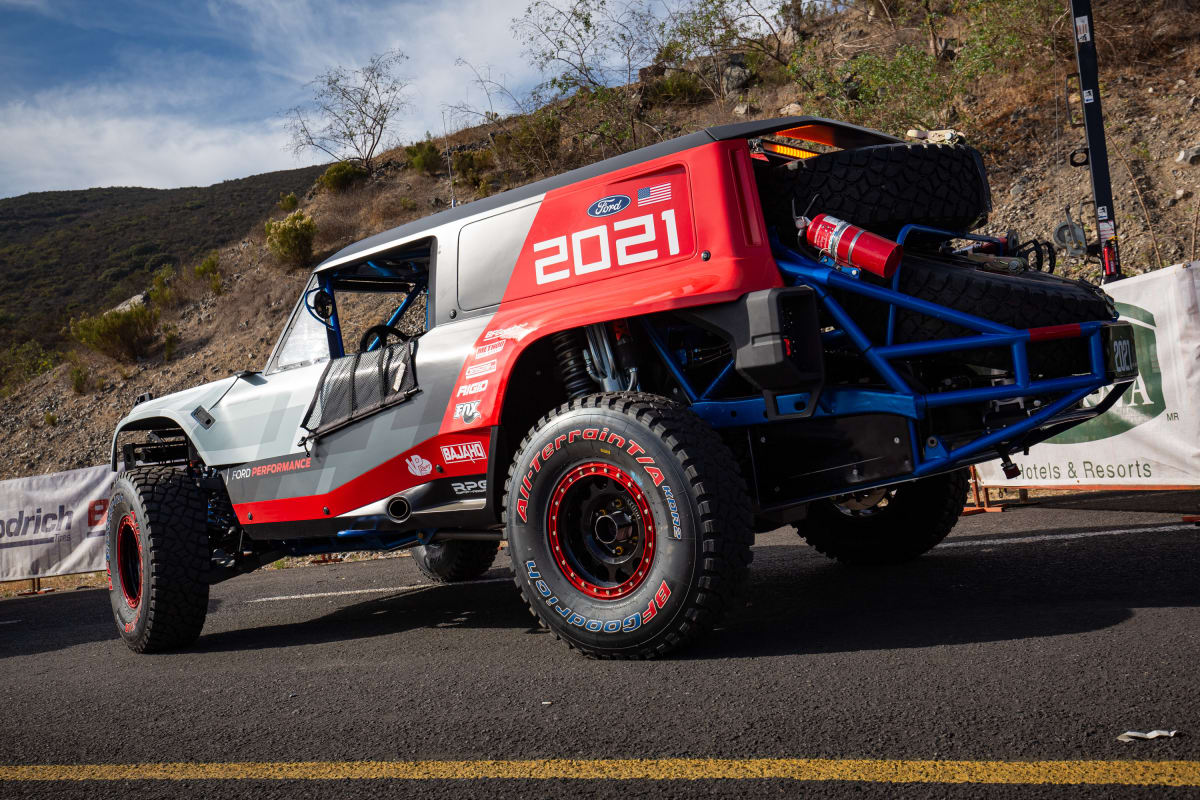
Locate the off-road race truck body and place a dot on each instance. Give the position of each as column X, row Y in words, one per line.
column 626, row 371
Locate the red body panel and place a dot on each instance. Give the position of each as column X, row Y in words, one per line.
column 721, row 254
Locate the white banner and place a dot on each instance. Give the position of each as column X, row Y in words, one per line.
column 1151, row 437
column 53, row 524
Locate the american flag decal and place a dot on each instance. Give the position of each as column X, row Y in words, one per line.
column 654, row 194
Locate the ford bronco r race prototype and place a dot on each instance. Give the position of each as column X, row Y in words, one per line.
column 626, row 371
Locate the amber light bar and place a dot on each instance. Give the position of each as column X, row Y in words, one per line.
column 788, row 150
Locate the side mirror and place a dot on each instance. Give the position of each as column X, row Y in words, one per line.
column 322, row 304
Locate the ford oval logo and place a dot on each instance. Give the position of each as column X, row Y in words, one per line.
column 608, row 205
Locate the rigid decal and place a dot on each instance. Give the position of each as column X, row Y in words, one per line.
column 466, row 451
column 624, row 625
column 418, row 466
column 587, row 434
column 468, row 389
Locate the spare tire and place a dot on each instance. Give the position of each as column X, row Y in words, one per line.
column 1022, row 300
column 882, row 188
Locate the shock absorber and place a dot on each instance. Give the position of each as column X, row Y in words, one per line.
column 568, row 354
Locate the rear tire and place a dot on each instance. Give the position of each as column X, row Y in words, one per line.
column 455, row 560
column 628, row 523
column 158, row 558
column 901, row 523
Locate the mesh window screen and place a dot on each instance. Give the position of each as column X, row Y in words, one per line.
column 358, row 385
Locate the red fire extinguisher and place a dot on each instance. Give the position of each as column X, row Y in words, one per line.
column 853, row 246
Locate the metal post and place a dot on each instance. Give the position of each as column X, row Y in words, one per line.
column 1096, row 151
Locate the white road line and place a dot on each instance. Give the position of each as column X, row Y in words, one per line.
column 407, row 588
column 9, row 621
column 1061, row 537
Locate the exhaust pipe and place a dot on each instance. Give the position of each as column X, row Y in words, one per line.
column 398, row 509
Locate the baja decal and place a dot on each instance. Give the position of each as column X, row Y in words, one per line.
column 624, row 625
column 484, row 368
column 469, row 487
column 588, row 434
column 483, row 351
column 613, row 204
column 673, row 506
column 468, row 389
column 467, row 451
column 468, row 412
column 591, row 248
column 418, row 466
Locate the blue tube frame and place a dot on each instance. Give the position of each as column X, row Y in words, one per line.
column 900, row 398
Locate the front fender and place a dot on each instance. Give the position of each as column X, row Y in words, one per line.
column 173, row 411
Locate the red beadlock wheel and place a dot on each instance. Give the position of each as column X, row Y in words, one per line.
column 601, row 530
column 129, row 560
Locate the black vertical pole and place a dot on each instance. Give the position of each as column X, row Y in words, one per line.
column 1093, row 127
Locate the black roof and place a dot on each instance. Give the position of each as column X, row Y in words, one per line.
column 847, row 136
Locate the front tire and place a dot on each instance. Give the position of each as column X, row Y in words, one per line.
column 158, row 557
column 887, row 526
column 628, row 523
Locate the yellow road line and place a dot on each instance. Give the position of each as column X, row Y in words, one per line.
column 1131, row 773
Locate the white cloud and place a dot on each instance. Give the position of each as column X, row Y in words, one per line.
column 163, row 117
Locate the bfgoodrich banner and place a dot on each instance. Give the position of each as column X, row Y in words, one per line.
column 53, row 524
column 1151, row 437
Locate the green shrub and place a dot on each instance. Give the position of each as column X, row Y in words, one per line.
column 51, row 420
column 424, row 156
column 80, row 378
column 530, row 143
column 338, row 178
column 290, row 239
column 20, row 362
column 678, row 89
column 470, row 166
column 209, row 270
column 161, row 293
column 123, row 335
column 170, row 343
column 288, row 202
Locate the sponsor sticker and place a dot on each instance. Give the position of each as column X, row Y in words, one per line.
column 465, row 451
column 613, row 204
column 483, row 351
column 468, row 389
column 515, row 332
column 1083, row 31
column 419, row 466
column 482, row 368
column 468, row 412
column 1088, row 95
column 469, row 487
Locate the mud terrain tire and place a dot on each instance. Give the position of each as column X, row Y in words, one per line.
column 916, row 517
column 883, row 188
column 158, row 558
column 633, row 471
column 455, row 560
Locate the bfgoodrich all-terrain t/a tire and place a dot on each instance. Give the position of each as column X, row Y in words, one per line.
column 628, row 523
column 890, row 525
column 158, row 558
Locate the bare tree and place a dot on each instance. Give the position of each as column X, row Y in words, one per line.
column 351, row 110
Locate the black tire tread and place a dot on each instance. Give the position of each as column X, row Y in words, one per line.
column 176, row 589
column 455, row 560
column 722, row 499
column 885, row 187
column 930, row 511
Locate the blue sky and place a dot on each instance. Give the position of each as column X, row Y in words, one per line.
column 166, row 94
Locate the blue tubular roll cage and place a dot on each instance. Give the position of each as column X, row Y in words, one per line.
column 900, row 397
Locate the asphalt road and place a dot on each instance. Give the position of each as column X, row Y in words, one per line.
column 1039, row 634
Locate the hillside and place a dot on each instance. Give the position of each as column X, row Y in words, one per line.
column 1151, row 84
column 62, row 253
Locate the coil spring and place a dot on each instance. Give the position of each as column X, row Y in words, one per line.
column 568, row 354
